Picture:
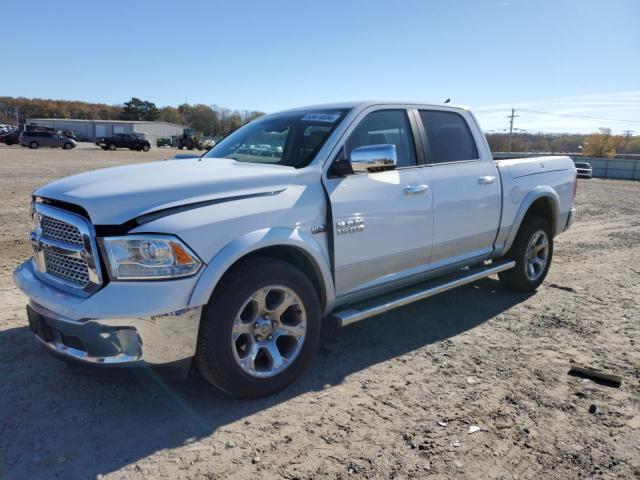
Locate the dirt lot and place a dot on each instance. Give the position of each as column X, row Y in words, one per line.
column 390, row 397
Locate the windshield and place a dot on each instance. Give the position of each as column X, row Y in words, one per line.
column 289, row 138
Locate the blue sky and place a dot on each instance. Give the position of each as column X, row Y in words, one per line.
column 568, row 57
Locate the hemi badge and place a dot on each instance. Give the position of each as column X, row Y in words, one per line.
column 318, row 229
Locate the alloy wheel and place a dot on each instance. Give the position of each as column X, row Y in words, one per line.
column 269, row 331
column 537, row 255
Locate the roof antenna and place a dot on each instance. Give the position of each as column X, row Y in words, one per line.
column 448, row 100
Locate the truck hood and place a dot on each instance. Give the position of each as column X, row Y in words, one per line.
column 112, row 196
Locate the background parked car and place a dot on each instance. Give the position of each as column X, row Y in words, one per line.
column 36, row 139
column 72, row 134
column 11, row 138
column 124, row 140
column 584, row 169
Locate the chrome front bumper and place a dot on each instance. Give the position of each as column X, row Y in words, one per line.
column 155, row 339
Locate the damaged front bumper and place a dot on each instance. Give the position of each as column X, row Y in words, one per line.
column 138, row 323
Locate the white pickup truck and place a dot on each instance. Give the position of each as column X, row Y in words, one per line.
column 231, row 261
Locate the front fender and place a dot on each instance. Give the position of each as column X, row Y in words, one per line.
column 542, row 191
column 253, row 241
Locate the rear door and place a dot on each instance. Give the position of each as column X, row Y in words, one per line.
column 382, row 221
column 466, row 187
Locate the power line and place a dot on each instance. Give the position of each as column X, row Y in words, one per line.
column 580, row 116
column 496, row 110
column 511, row 117
column 492, row 110
column 627, row 134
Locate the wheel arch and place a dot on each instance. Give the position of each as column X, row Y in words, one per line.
column 542, row 202
column 290, row 245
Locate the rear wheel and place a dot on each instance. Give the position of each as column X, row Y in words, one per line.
column 145, row 148
column 34, row 145
column 260, row 329
column 532, row 251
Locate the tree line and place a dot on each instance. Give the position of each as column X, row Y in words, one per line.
column 599, row 145
column 210, row 120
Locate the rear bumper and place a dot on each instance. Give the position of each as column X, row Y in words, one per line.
column 63, row 323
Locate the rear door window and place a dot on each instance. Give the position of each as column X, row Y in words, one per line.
column 449, row 138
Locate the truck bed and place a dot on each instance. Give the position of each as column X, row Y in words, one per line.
column 526, row 179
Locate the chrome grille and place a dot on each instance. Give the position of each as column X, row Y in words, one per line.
column 70, row 269
column 65, row 250
column 60, row 231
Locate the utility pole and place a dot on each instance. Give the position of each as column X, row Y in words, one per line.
column 511, row 117
column 627, row 134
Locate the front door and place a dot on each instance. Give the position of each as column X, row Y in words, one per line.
column 383, row 221
column 49, row 139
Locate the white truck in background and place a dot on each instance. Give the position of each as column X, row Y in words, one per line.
column 231, row 261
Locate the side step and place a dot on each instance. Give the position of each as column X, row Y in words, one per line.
column 412, row 294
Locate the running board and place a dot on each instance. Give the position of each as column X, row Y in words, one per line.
column 433, row 287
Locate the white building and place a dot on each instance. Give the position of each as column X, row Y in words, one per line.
column 89, row 130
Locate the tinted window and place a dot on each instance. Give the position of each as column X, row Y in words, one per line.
column 385, row 127
column 289, row 138
column 448, row 136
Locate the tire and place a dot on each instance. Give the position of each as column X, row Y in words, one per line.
column 232, row 309
column 34, row 145
column 112, row 147
column 145, row 148
column 9, row 142
column 525, row 276
column 67, row 146
column 104, row 148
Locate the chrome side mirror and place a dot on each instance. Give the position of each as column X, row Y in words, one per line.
column 373, row 158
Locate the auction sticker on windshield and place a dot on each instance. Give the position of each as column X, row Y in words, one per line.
column 321, row 117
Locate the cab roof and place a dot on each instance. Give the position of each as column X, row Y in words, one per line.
column 361, row 105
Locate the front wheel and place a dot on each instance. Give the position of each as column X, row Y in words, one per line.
column 532, row 251
column 67, row 146
column 260, row 329
column 112, row 147
column 34, row 145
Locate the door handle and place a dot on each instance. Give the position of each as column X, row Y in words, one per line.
column 486, row 180
column 416, row 189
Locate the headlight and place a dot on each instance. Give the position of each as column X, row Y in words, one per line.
column 148, row 257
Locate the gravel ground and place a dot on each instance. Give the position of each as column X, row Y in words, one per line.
column 390, row 397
